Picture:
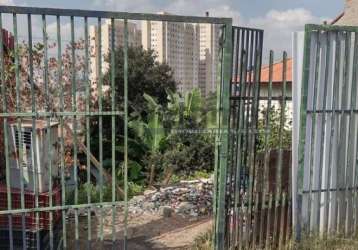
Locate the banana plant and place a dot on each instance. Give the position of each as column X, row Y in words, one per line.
column 150, row 132
column 187, row 107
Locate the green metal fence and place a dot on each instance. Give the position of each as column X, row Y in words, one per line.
column 42, row 104
column 327, row 171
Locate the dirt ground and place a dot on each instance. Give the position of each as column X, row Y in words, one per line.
column 145, row 231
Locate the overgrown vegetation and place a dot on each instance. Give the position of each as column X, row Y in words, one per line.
column 163, row 124
column 273, row 125
column 163, row 138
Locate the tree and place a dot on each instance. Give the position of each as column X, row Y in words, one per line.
column 145, row 76
column 273, row 138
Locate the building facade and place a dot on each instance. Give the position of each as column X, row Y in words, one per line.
column 176, row 44
column 134, row 40
column 191, row 50
column 209, row 58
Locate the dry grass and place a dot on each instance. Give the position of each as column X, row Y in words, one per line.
column 334, row 243
column 203, row 242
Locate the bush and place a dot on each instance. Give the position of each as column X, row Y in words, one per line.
column 94, row 192
column 273, row 139
column 183, row 156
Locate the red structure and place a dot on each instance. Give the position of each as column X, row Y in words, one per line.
column 8, row 40
column 30, row 218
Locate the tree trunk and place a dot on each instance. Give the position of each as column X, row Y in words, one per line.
column 152, row 174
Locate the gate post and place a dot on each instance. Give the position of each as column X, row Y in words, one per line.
column 222, row 138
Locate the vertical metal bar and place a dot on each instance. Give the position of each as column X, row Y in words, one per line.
column 48, row 129
column 100, row 122
column 236, row 136
column 267, row 150
column 113, row 87
column 319, row 131
column 303, row 182
column 242, row 84
column 88, row 138
column 335, row 135
column 19, row 130
column 243, row 153
column 74, row 109
column 62, row 142
column 283, row 197
column 34, row 139
column 280, row 158
column 233, row 124
column 355, row 168
column 252, row 147
column 343, row 138
column 314, row 135
column 231, row 175
column 243, row 134
column 278, row 191
column 246, row 145
column 268, row 240
column 352, row 131
column 6, row 142
column 329, row 131
column 125, row 53
column 227, row 69
column 217, row 148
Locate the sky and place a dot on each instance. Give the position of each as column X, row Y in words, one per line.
column 278, row 18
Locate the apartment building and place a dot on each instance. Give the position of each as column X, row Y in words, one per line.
column 134, row 40
column 209, row 57
column 176, row 44
column 191, row 50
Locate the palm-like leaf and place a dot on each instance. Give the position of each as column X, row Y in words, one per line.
column 193, row 105
column 151, row 132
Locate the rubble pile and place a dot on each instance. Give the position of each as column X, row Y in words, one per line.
column 188, row 198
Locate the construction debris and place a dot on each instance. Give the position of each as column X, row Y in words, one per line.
column 187, row 198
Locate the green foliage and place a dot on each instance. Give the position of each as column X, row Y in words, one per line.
column 135, row 172
column 150, row 131
column 135, row 189
column 155, row 111
column 274, row 119
column 210, row 111
column 185, row 110
column 187, row 153
column 200, row 174
column 94, row 192
column 145, row 75
column 148, row 80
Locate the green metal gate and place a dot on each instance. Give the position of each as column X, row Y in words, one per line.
column 15, row 111
column 257, row 176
